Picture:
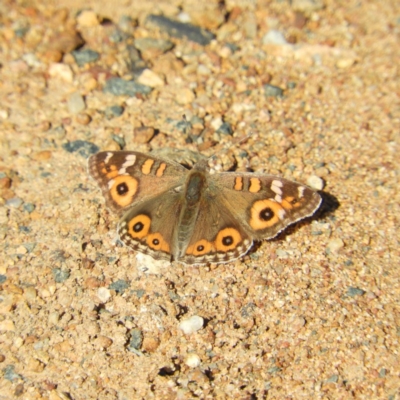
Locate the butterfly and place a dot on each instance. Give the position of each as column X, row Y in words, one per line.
column 193, row 216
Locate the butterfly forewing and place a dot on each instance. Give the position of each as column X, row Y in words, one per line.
column 128, row 177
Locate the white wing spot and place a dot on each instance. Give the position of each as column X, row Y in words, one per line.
column 277, row 183
column 276, row 187
column 108, row 157
column 301, row 190
column 111, row 184
column 278, row 198
column 129, row 161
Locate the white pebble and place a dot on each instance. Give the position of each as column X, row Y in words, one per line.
column 87, row 19
column 76, row 103
column 192, row 360
column 335, row 245
column 103, row 294
column 191, row 325
column 274, row 37
column 61, row 71
column 53, row 318
column 150, row 78
column 4, row 114
column 315, row 182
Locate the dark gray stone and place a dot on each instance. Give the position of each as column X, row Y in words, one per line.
column 84, row 148
column 121, row 87
column 85, row 56
column 181, row 30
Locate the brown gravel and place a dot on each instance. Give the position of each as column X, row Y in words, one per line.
column 312, row 314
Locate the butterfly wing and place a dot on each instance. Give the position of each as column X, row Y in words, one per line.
column 129, row 177
column 150, row 226
column 218, row 236
column 264, row 204
column 240, row 208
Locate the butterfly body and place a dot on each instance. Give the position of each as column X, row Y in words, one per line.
column 193, row 216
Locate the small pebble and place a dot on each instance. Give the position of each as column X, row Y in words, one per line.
column 181, row 30
column 4, row 114
column 307, row 6
column 191, row 325
column 272, row 91
column 146, row 44
column 10, row 374
column 83, row 119
column 29, row 207
column 121, row 87
column 7, row 325
column 150, row 78
column 87, row 19
column 126, row 24
column 18, row 342
column 61, row 71
column 345, row 62
column 335, row 245
column 192, row 360
column 5, row 182
column 333, row 378
column 282, row 253
column 184, row 96
column 60, row 275
column 143, row 134
column 119, row 140
column 150, row 344
column 66, row 41
column 136, row 339
column 34, row 365
column 315, row 182
column 274, row 37
column 119, row 286
column 203, row 70
column 76, row 103
column 113, row 111
column 103, row 342
column 225, row 129
column 15, row 202
column 53, row 318
column 103, row 294
column 84, row 148
column 353, row 291
column 85, row 56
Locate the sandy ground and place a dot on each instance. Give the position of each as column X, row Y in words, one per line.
column 313, row 313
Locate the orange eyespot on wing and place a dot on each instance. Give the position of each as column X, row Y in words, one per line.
column 156, row 242
column 139, row 226
column 227, row 239
column 265, row 213
column 200, row 248
column 123, row 189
